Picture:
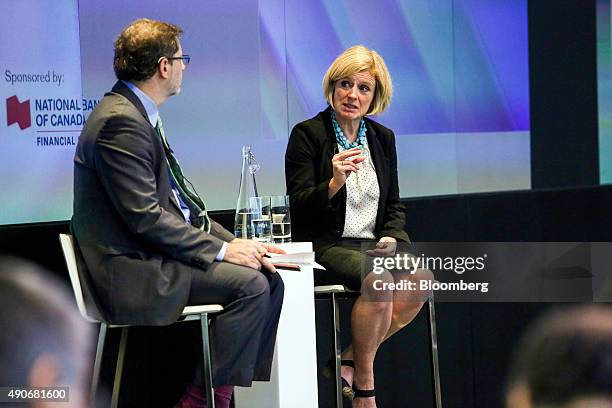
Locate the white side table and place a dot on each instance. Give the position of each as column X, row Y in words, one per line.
column 294, row 369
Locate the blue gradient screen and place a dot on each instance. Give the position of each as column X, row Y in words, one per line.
column 604, row 89
column 460, row 109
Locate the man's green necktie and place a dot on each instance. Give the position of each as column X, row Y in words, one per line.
column 183, row 185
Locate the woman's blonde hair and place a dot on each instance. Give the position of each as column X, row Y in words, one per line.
column 356, row 59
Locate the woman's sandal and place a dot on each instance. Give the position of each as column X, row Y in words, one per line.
column 330, row 372
column 364, row 393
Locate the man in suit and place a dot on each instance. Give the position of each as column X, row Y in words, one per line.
column 144, row 233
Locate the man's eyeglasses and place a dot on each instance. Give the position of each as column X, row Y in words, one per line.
column 186, row 58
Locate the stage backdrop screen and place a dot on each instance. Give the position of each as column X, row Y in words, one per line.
column 42, row 111
column 604, row 89
column 460, row 109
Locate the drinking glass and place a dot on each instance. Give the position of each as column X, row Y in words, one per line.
column 281, row 219
column 261, row 221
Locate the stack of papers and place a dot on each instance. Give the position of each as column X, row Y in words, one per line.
column 294, row 261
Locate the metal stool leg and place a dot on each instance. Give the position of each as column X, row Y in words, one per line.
column 208, row 384
column 98, row 363
column 433, row 336
column 119, row 368
column 337, row 348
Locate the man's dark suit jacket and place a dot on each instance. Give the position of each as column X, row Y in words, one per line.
column 138, row 249
column 308, row 170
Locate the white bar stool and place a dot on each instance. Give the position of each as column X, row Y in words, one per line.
column 89, row 311
column 336, row 292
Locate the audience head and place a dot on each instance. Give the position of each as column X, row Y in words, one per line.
column 44, row 342
column 565, row 360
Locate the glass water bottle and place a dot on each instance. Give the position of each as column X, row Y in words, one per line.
column 243, row 226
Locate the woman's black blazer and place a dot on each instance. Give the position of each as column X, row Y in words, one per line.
column 308, row 171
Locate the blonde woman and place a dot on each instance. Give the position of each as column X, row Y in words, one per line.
column 341, row 174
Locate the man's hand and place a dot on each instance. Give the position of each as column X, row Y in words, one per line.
column 267, row 262
column 386, row 246
column 250, row 254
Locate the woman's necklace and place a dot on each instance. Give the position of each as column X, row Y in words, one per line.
column 341, row 138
